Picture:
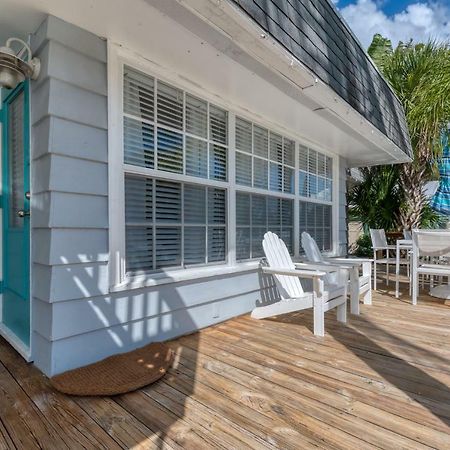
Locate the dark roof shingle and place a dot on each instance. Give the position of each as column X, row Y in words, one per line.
column 316, row 35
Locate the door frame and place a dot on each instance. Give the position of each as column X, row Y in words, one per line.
column 24, row 350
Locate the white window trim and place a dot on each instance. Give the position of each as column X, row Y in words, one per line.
column 117, row 58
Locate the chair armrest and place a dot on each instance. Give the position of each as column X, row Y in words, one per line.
column 352, row 261
column 342, row 263
column 294, row 273
column 328, row 268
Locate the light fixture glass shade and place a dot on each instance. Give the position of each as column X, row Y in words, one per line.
column 14, row 69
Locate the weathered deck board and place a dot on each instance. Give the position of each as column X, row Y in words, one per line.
column 66, row 420
column 381, row 381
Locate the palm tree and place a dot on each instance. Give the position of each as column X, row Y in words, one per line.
column 375, row 201
column 420, row 76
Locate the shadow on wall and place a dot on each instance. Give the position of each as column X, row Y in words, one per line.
column 123, row 322
column 103, row 324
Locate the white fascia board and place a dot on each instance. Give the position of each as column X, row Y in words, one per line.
column 245, row 33
column 321, row 98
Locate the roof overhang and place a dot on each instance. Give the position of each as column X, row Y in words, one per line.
column 240, row 30
column 234, row 34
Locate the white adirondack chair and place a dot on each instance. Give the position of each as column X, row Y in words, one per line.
column 430, row 256
column 358, row 284
column 293, row 298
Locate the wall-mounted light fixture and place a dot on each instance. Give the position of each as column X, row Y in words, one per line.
column 17, row 66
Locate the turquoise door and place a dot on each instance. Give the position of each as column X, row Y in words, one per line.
column 15, row 217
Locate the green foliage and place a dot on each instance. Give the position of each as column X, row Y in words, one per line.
column 430, row 218
column 375, row 201
column 420, row 76
column 419, row 73
column 364, row 246
column 380, row 49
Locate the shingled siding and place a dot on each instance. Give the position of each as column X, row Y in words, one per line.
column 69, row 172
column 314, row 33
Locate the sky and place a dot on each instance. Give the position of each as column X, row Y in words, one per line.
column 398, row 20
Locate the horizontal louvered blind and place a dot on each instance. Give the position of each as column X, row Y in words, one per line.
column 257, row 214
column 315, row 174
column 264, row 160
column 172, row 224
column 316, row 181
column 316, row 219
column 138, row 94
column 175, row 222
column 168, row 129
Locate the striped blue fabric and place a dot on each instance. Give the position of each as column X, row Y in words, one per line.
column 441, row 199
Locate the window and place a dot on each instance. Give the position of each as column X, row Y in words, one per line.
column 316, row 183
column 264, row 159
column 316, row 220
column 176, row 186
column 171, row 223
column 166, row 129
column 315, row 175
column 257, row 214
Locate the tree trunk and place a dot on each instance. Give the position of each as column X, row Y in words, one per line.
column 412, row 182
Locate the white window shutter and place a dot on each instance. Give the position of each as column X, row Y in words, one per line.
column 243, row 224
column 139, row 223
column 260, row 141
column 169, row 106
column 243, row 135
column 217, row 162
column 276, row 148
column 194, row 245
column 260, row 173
column 196, row 116
column 138, row 94
column 139, row 143
column 170, row 150
column 243, row 169
column 196, row 157
column 218, row 125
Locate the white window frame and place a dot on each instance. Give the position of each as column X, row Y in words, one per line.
column 117, row 58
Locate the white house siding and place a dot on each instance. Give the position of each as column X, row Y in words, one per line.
column 69, row 179
column 76, row 320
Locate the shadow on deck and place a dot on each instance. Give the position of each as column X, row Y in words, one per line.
column 382, row 380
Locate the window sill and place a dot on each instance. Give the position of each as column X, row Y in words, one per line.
column 177, row 276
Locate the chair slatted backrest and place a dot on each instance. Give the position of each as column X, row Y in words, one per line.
column 313, row 253
column 278, row 257
column 407, row 234
column 378, row 238
column 311, row 249
column 431, row 243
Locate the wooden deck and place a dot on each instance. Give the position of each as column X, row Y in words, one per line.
column 381, row 381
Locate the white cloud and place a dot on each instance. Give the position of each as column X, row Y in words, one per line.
column 419, row 21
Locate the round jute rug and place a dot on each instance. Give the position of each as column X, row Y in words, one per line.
column 117, row 374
